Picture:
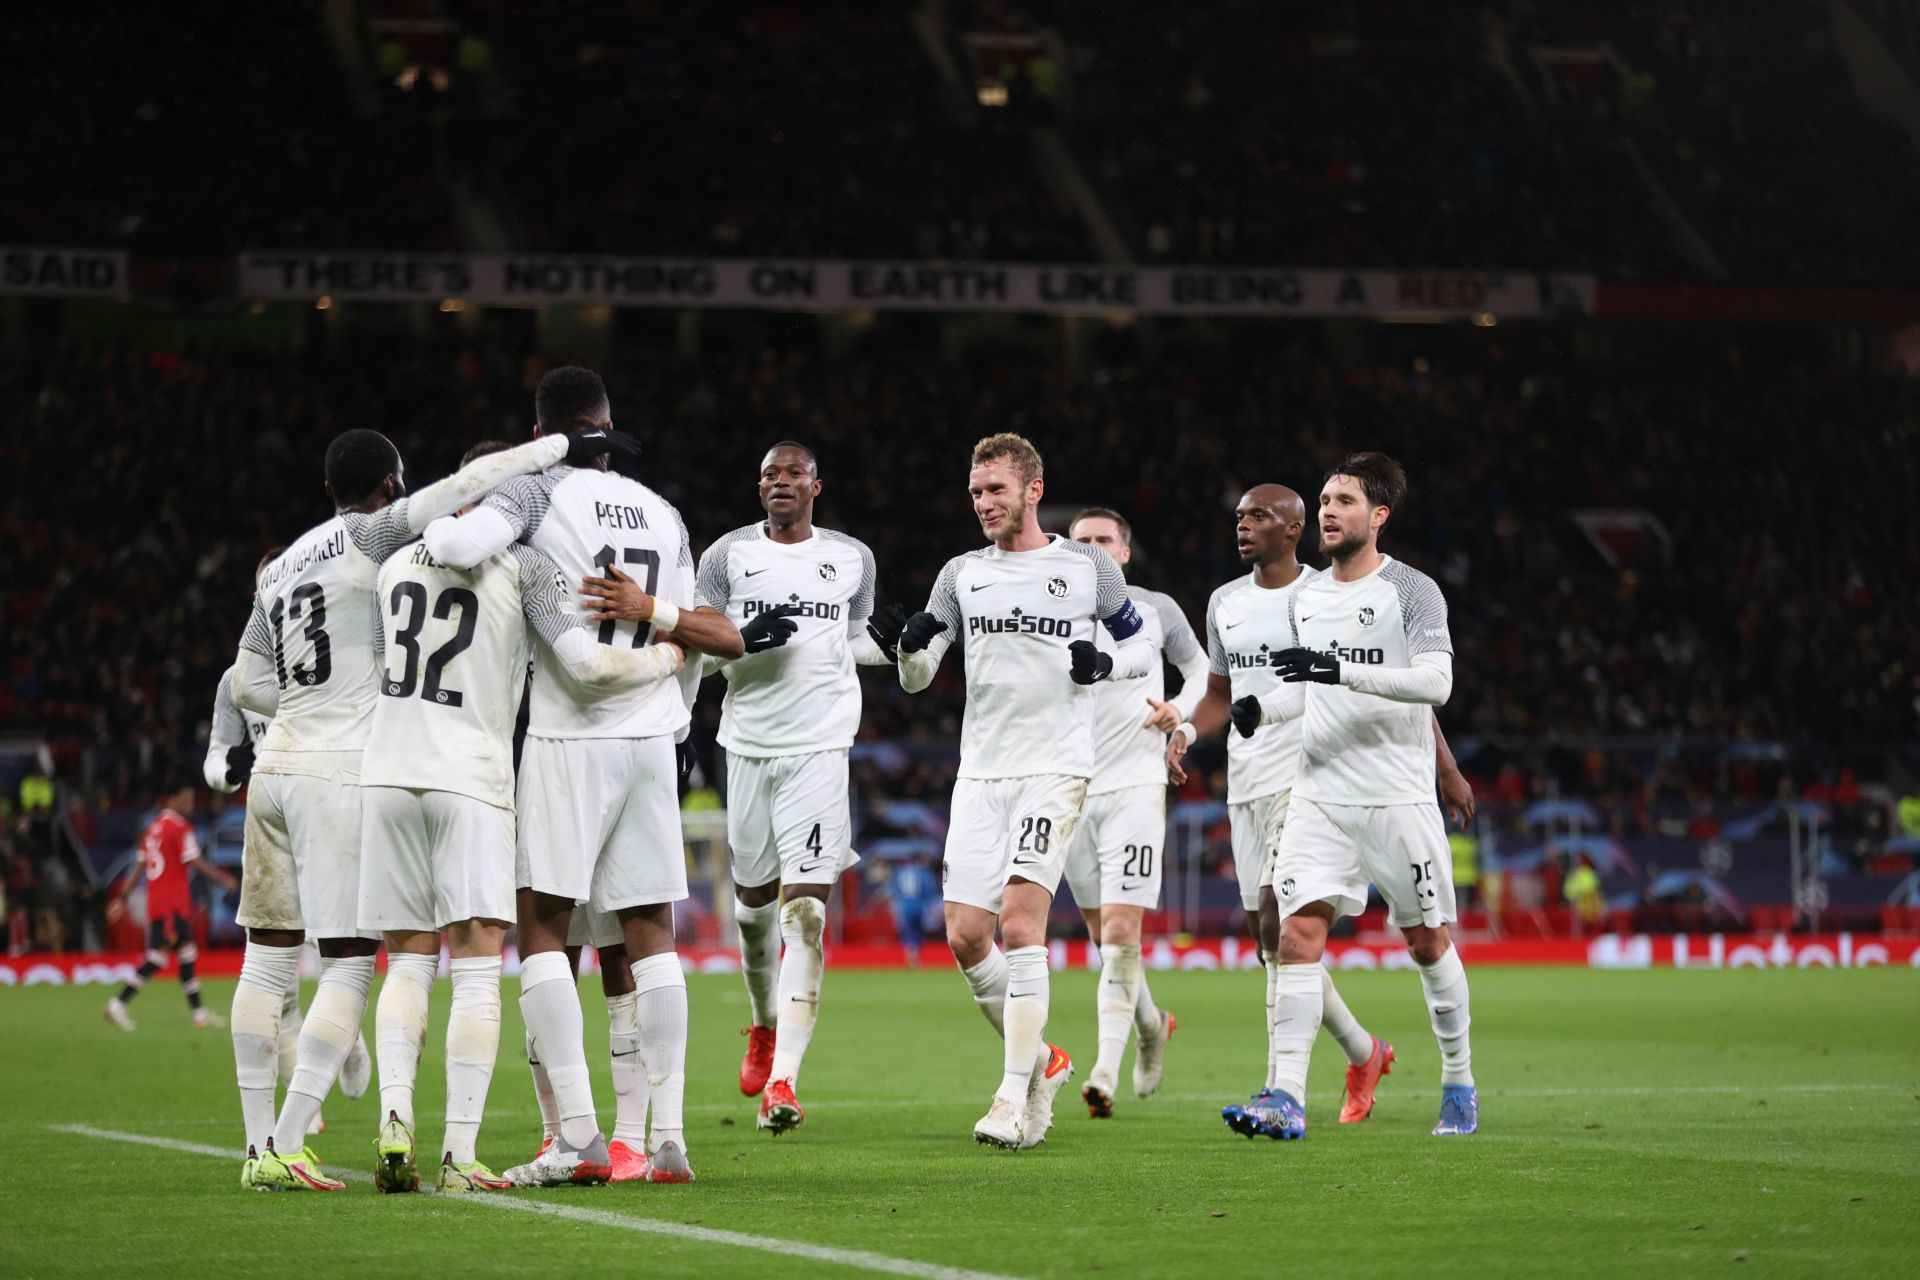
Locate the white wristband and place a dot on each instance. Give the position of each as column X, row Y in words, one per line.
column 666, row 614
column 1186, row 730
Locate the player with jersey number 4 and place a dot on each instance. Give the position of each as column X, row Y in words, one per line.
column 1024, row 610
column 803, row 598
column 1367, row 644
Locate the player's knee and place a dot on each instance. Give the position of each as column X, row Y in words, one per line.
column 803, row 920
column 757, row 895
column 970, row 943
column 1120, row 929
column 1302, row 940
column 1427, row 946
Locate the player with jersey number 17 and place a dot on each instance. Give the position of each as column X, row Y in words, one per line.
column 1023, row 609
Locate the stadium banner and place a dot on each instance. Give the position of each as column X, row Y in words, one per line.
column 1606, row 951
column 514, row 279
column 36, row 271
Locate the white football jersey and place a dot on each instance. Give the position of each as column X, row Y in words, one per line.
column 585, row 519
column 1358, row 748
column 803, row 696
column 1124, row 754
column 455, row 667
column 1246, row 625
column 1015, row 613
column 314, row 617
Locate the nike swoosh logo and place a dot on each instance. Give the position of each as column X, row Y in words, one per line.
column 1129, row 888
column 748, row 573
column 982, row 587
column 809, row 869
column 1228, row 626
column 1308, row 617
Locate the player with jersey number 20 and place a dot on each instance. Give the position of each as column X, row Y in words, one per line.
column 1369, row 642
column 1023, row 609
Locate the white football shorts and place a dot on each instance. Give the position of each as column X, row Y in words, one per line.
column 789, row 819
column 1007, row 827
column 1254, row 827
column 600, row 821
column 1331, row 852
column 301, row 867
column 1117, row 853
column 433, row 858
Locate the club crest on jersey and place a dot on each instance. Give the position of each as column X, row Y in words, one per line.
column 828, row 572
column 1366, row 616
column 1057, row 588
column 1286, row 887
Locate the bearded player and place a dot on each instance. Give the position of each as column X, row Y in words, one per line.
column 1370, row 649
column 1024, row 610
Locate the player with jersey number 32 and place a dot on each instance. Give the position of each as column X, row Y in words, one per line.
column 1370, row 645
column 1024, row 610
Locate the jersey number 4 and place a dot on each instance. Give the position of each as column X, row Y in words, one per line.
column 308, row 600
column 603, row 560
column 414, row 596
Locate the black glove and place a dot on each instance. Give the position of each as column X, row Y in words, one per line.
column 919, row 632
column 1295, row 665
column 1089, row 664
column 1246, row 715
column 769, row 629
column 239, row 764
column 685, row 756
column 885, row 626
column 601, row 442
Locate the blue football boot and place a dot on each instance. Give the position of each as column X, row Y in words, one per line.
column 1459, row 1110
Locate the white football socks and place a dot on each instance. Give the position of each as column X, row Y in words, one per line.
column 331, row 1026
column 550, row 1003
column 629, row 1071
column 1028, row 991
column 1444, row 983
column 1272, row 964
column 543, row 1092
column 1295, row 1022
column 759, row 956
column 988, row 981
column 803, row 925
column 290, row 1020
column 400, row 1029
column 661, row 990
column 1119, row 996
column 1355, row 1040
column 473, row 1044
column 268, row 976
column 1146, row 1014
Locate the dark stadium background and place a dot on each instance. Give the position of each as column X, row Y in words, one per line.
column 1671, row 510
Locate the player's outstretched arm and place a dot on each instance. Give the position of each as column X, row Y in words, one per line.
column 1427, row 680
column 603, row 667
column 927, row 635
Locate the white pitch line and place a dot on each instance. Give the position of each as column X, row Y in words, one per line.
column 859, row 1259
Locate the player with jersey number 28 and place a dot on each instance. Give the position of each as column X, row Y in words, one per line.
column 438, row 824
column 1368, row 644
column 1023, row 609
column 167, row 849
column 803, row 598
column 309, row 659
column 597, row 801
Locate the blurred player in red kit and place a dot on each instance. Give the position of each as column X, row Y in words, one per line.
column 167, row 847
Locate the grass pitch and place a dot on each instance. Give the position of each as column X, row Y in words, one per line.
column 1653, row 1122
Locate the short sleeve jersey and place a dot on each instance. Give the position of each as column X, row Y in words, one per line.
column 1124, row 754
column 1246, row 626
column 584, row 520
column 1015, row 613
column 803, row 696
column 166, row 847
column 455, row 664
column 314, row 617
column 1358, row 748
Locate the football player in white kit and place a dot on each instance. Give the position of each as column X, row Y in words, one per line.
column 309, row 660
column 1024, row 609
column 1115, row 864
column 233, row 738
column 1268, row 522
column 1367, row 643
column 598, row 807
column 438, row 815
column 803, row 598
